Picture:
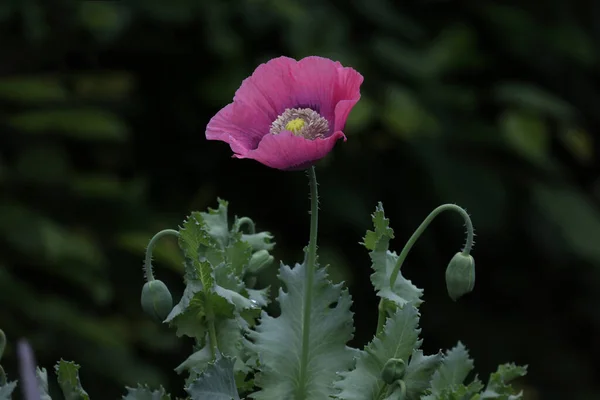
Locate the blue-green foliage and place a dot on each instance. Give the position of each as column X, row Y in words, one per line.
column 240, row 350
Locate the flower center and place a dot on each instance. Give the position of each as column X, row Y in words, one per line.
column 303, row 122
column 295, row 125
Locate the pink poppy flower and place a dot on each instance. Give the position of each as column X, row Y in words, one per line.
column 288, row 114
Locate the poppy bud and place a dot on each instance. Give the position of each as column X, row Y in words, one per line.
column 260, row 260
column 460, row 275
column 156, row 300
column 393, row 370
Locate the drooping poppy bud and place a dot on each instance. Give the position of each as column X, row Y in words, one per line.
column 393, row 370
column 460, row 275
column 260, row 260
column 156, row 300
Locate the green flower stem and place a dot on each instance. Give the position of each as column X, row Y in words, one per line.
column 150, row 248
column 311, row 259
column 246, row 221
column 212, row 332
column 415, row 236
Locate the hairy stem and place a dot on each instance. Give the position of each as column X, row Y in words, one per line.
column 246, row 221
column 413, row 239
column 311, row 258
column 150, row 249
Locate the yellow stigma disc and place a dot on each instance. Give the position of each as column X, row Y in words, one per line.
column 295, row 125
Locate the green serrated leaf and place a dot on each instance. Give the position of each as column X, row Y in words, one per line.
column 68, row 380
column 238, row 254
column 234, row 298
column 145, row 393
column 216, row 223
column 189, row 315
column 399, row 337
column 499, row 387
column 7, row 390
column 259, row 296
column 454, row 369
column 42, row 378
column 419, row 373
column 216, row 382
column 384, row 261
column 278, row 341
column 216, row 261
column 259, row 241
column 194, row 241
column 197, row 361
column 231, row 343
column 458, row 392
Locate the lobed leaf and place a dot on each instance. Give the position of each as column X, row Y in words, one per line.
column 42, row 379
column 279, row 341
column 216, row 382
column 419, row 373
column 454, row 369
column 400, row 340
column 145, row 393
column 194, row 240
column 458, row 392
column 7, row 390
column 384, row 261
column 216, row 261
column 68, row 380
column 499, row 387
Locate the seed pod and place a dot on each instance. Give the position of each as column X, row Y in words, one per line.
column 156, row 300
column 393, row 370
column 460, row 275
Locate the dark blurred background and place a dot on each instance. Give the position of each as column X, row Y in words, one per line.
column 494, row 106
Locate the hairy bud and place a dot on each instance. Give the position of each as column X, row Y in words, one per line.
column 156, row 300
column 460, row 275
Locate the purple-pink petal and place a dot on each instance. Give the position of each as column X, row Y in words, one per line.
column 289, row 152
column 312, row 82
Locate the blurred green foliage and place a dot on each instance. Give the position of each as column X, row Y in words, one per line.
column 491, row 105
